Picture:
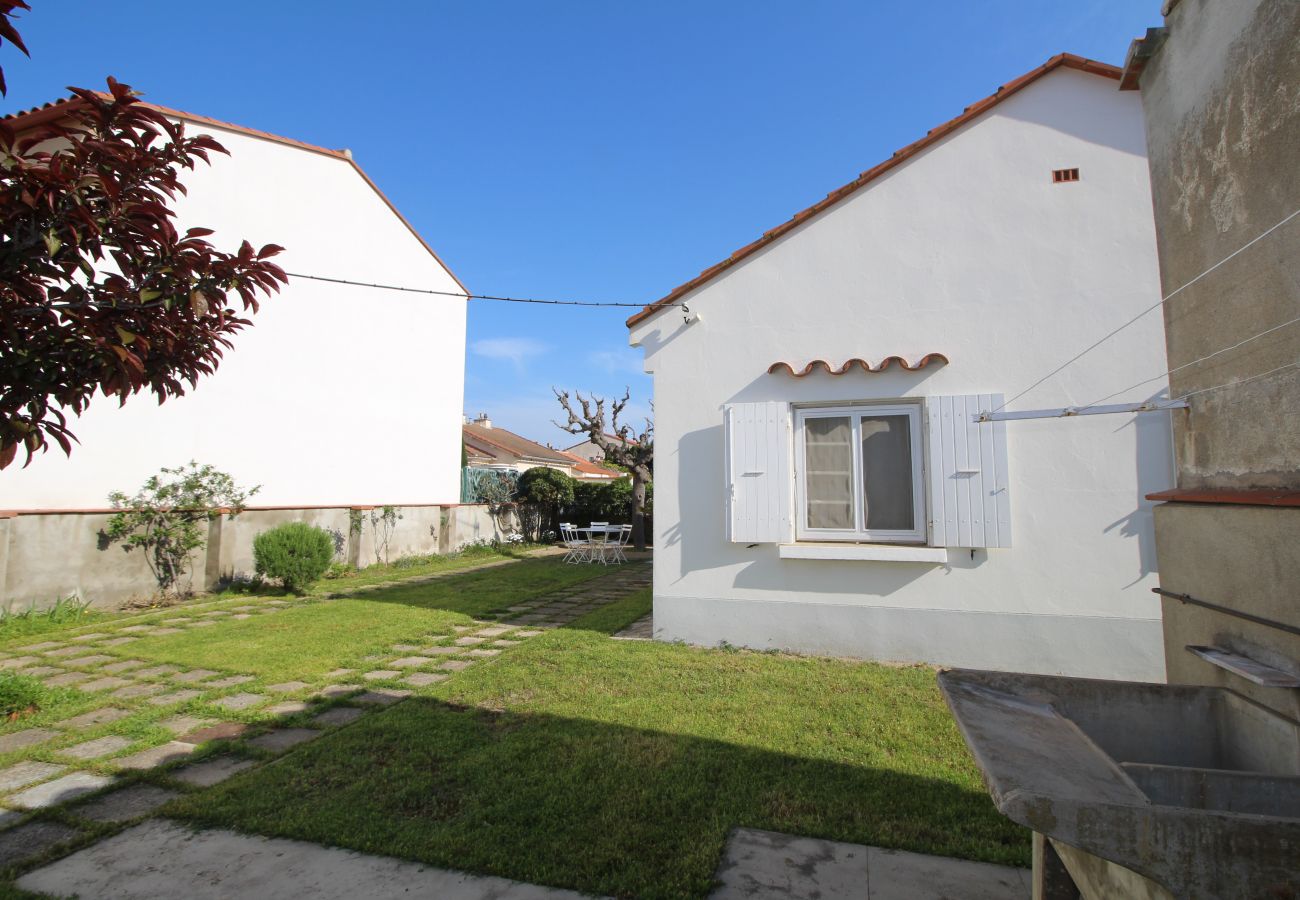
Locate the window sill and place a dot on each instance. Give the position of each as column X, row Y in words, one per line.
column 877, row 552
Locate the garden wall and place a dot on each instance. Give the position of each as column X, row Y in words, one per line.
column 48, row 555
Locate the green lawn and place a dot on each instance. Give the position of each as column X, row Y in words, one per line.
column 618, row 767
column 316, row 636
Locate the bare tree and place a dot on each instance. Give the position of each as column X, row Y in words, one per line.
column 619, row 442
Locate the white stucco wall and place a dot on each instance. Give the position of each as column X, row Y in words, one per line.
column 968, row 250
column 335, row 394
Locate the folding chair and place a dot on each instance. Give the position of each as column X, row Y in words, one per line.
column 620, row 545
column 573, row 542
column 599, row 532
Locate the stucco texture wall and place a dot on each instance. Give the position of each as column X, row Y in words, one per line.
column 968, row 250
column 1223, row 125
column 336, row 394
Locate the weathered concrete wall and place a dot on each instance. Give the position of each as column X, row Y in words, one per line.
column 1221, row 97
column 48, row 556
column 1222, row 104
column 1242, row 557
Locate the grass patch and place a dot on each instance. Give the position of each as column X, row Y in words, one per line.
column 20, row 694
column 315, row 637
column 618, row 767
column 67, row 612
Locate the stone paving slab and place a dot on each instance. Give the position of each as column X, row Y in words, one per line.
column 424, row 679
column 66, row 679
column 43, row 645
column 468, row 641
column 193, row 675
column 139, row 690
column 28, row 737
column 148, row 861
column 183, row 724
column 767, row 865
column 101, row 716
column 440, row 651
column 25, row 773
column 117, row 642
column 174, row 697
column 284, row 738
column 107, row 683
column 171, row 751
column 239, row 701
column 287, row 687
column 32, row 839
column 60, row 790
column 93, row 659
column 222, row 731
column 41, row 671
column 122, row 666
column 231, row 681
column 154, row 671
column 480, row 652
column 410, row 662
column 125, row 804
column 381, row 697
column 65, row 651
column 212, row 771
column 456, row 665
column 287, row 708
column 339, row 673
column 97, row 748
column 338, row 690
column 339, row 715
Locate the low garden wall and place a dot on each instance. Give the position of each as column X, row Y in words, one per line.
column 46, row 555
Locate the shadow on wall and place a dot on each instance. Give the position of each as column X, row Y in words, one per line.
column 1155, row 472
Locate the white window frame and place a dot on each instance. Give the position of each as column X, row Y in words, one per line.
column 860, row 533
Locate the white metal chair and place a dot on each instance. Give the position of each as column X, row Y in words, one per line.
column 579, row 549
column 619, row 548
column 599, row 545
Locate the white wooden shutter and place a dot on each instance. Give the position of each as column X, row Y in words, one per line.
column 759, row 477
column 969, row 493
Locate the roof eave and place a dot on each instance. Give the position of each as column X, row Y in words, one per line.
column 1061, row 60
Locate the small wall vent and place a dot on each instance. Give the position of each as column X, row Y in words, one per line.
column 1061, row 176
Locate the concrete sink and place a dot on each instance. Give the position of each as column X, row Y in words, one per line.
column 1194, row 788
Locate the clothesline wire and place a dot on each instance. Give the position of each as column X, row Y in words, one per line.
column 1195, row 362
column 1161, row 302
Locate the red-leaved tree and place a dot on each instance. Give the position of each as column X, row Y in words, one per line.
column 99, row 292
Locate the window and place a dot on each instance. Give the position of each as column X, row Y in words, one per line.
column 1060, row 176
column 859, row 475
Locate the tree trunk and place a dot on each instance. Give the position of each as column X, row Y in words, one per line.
column 638, row 510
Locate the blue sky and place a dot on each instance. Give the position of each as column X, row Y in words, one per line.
column 587, row 150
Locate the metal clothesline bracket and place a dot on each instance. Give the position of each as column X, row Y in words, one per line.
column 1068, row 411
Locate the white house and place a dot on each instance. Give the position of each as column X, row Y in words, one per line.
column 821, row 484
column 336, row 395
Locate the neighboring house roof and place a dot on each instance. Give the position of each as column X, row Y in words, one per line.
column 585, row 467
column 855, row 362
column 51, row 112
column 612, row 437
column 500, row 444
column 933, row 136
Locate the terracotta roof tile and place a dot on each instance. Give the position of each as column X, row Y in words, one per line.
column 933, row 136
column 513, row 444
column 857, row 363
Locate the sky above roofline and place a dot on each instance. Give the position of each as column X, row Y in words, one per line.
column 582, row 150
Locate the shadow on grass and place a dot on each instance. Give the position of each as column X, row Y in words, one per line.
column 583, row 804
column 483, row 593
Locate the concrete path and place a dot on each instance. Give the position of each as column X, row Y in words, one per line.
column 161, row 859
column 765, row 865
column 643, row 629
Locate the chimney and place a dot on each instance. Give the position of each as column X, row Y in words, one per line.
column 483, row 421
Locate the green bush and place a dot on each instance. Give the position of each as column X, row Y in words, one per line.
column 296, row 553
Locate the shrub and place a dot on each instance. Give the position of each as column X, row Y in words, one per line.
column 548, row 490
column 296, row 553
column 168, row 518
